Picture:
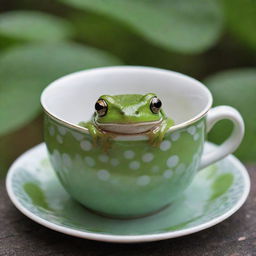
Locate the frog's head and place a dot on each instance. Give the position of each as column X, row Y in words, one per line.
column 128, row 113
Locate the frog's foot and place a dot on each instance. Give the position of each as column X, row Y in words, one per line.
column 99, row 137
column 104, row 142
column 156, row 141
column 155, row 138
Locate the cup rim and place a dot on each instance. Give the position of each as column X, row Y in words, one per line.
column 127, row 67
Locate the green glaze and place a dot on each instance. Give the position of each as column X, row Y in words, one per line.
column 130, row 179
column 220, row 186
column 36, row 194
column 128, row 109
column 208, row 197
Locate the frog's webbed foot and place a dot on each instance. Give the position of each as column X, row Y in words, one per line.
column 156, row 136
column 99, row 137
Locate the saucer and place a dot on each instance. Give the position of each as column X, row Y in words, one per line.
column 215, row 193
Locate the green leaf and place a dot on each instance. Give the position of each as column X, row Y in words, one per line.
column 236, row 88
column 241, row 20
column 26, row 70
column 33, row 26
column 188, row 26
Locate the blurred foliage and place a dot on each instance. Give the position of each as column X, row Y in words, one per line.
column 236, row 88
column 41, row 41
column 187, row 26
column 34, row 67
column 241, row 20
column 33, row 26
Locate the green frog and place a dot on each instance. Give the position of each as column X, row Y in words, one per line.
column 128, row 114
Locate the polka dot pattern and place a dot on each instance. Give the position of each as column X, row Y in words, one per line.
column 143, row 180
column 146, row 163
column 168, row 174
column 191, row 130
column 103, row 158
column 129, row 154
column 89, row 161
column 114, row 162
column 165, row 145
column 172, row 161
column 86, row 145
column 51, row 130
column 175, row 136
column 77, row 136
column 148, row 157
column 59, row 139
column 103, row 175
column 62, row 130
column 134, row 165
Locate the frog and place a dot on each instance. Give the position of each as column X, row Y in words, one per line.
column 128, row 114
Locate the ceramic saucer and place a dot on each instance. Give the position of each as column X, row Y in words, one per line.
column 216, row 193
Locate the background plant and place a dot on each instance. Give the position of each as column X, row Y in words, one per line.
column 211, row 40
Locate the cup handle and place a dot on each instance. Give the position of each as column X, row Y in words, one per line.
column 232, row 142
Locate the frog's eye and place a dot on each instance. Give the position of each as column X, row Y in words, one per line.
column 101, row 107
column 155, row 105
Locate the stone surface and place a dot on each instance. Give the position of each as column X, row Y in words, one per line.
column 234, row 237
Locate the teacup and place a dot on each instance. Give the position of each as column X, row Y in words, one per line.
column 132, row 178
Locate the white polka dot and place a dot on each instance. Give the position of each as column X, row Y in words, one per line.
column 180, row 168
column 155, row 168
column 168, row 174
column 148, row 157
column 114, row 161
column 165, row 145
column 191, row 130
column 66, row 160
column 86, row 145
column 196, row 136
column 129, row 154
column 103, row 175
column 89, row 160
column 134, row 165
column 103, row 158
column 59, row 139
column 51, row 130
column 143, row 180
column 62, row 130
column 77, row 136
column 175, row 136
column 172, row 161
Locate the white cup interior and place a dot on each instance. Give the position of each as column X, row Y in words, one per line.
column 72, row 97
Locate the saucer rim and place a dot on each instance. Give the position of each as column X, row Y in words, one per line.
column 127, row 238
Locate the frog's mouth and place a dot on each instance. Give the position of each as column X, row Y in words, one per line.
column 128, row 128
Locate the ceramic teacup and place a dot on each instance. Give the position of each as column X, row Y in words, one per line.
column 132, row 178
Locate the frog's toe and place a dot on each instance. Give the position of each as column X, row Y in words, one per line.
column 155, row 142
